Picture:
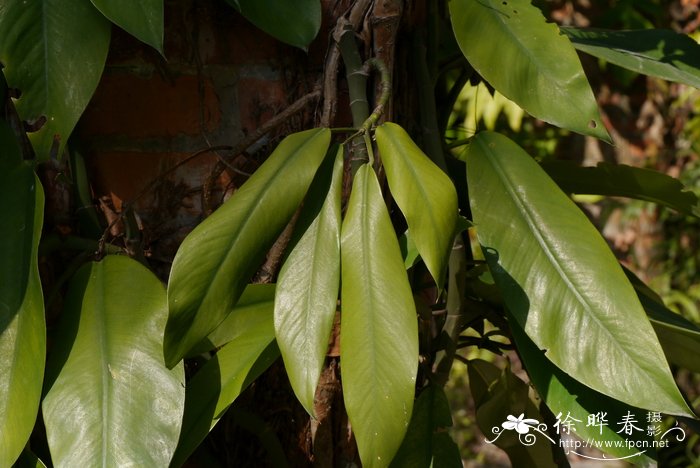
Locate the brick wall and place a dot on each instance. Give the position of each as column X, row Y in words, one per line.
column 220, row 79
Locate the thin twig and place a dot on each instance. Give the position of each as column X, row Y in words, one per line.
column 265, row 128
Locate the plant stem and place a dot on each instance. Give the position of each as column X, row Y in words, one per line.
column 357, row 86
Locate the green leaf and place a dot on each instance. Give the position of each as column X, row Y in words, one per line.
column 111, row 401
column 502, row 396
column 564, row 395
column 253, row 307
column 142, row 19
column 219, row 382
column 527, row 60
column 22, row 327
column 307, row 288
column 378, row 327
column 28, row 460
column 295, row 22
column 218, row 258
column 425, row 195
column 54, row 52
column 655, row 52
column 679, row 337
column 423, row 445
column 560, row 280
column 619, row 180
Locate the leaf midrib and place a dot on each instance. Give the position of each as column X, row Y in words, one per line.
column 250, row 216
column 517, row 40
column 525, row 211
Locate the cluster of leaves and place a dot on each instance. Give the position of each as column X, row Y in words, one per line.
column 591, row 336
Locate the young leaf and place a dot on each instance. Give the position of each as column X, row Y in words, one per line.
column 218, row 258
column 295, row 22
column 425, row 195
column 564, row 395
column 219, row 382
column 47, row 57
column 619, row 180
column 378, row 328
column 560, row 280
column 22, row 327
column 107, row 371
column 527, row 60
column 654, row 52
column 142, row 19
column 307, row 288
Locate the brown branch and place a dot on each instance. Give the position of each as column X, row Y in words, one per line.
column 274, row 122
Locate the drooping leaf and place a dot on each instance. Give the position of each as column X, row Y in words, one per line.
column 378, row 327
column 619, row 180
column 598, row 416
column 47, row 57
column 501, row 397
column 655, row 52
column 425, row 195
column 423, row 445
column 253, row 307
column 307, row 288
column 219, row 382
column 142, row 19
column 22, row 327
column 218, row 258
column 527, row 60
column 295, row 22
column 679, row 337
column 111, row 401
column 560, row 280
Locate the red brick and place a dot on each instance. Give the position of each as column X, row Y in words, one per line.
column 125, row 175
column 259, row 100
column 138, row 107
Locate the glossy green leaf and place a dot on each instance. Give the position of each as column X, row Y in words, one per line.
column 423, row 445
column 295, row 22
column 527, row 60
column 564, row 395
column 655, row 52
column 142, row 19
column 253, row 307
column 425, row 195
column 501, row 397
column 378, row 327
column 219, row 257
column 111, row 401
column 308, row 283
column 560, row 280
column 22, row 327
column 219, row 382
column 619, row 180
column 48, row 57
